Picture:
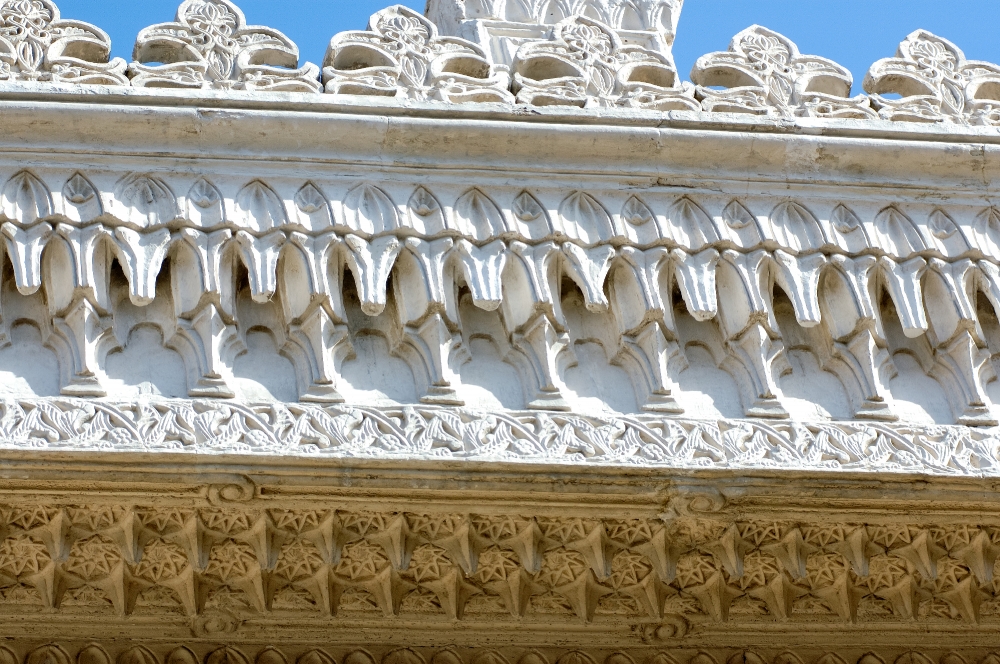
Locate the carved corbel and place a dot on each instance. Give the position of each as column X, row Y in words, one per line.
column 854, row 347
column 799, row 277
column 314, row 316
column 695, row 274
column 25, row 249
column 648, row 341
column 76, row 286
column 371, row 263
column 260, row 255
column 429, row 338
column 904, row 282
column 482, row 267
column 755, row 352
column 959, row 350
column 531, row 312
column 203, row 306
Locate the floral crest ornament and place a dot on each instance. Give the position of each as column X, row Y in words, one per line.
column 935, row 82
column 210, row 45
column 37, row 45
column 763, row 73
column 586, row 65
column 401, row 55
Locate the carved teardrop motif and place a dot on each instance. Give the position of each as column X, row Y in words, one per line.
column 424, row 213
column 259, row 208
column 986, row 231
column 897, row 234
column 941, row 225
column 690, row 225
column 585, row 219
column 844, row 220
column 226, row 655
column 93, row 654
column 315, row 657
column 270, row 655
column 204, row 204
column 26, row 198
column 737, row 216
column 137, row 655
column 796, row 228
column 527, row 208
column 147, row 201
column 81, row 202
column 479, row 216
column 313, row 207
column 636, row 213
column 370, row 210
column 48, row 654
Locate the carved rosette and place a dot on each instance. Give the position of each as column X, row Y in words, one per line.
column 210, row 45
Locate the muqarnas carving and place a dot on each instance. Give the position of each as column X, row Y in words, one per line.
column 763, row 73
column 37, row 45
column 401, row 55
column 934, row 82
column 585, row 64
column 210, row 45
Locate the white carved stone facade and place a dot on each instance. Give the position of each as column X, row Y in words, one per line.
column 493, row 340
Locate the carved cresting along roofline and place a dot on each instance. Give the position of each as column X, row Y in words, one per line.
column 494, row 341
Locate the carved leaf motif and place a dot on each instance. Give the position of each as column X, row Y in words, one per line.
column 370, row 210
column 479, row 216
column 423, row 203
column 147, row 201
column 796, row 228
column 259, row 207
column 636, row 213
column 205, row 206
column 26, row 198
column 690, row 225
column 585, row 219
column 204, row 194
column 897, row 234
column 78, row 190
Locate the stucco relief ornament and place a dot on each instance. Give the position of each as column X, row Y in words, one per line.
column 763, row 73
column 586, row 65
column 210, row 45
column 401, row 55
column 935, row 83
column 654, row 15
column 36, row 45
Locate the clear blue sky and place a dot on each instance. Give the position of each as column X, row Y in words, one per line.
column 855, row 33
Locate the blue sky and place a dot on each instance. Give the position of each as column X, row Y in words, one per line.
column 855, row 33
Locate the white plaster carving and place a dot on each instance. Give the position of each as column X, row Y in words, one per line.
column 401, row 55
column 763, row 73
column 210, row 45
column 36, row 44
column 585, row 64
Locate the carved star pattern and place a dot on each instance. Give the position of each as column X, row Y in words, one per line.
column 892, row 536
column 885, row 572
column 93, row 558
column 230, row 523
column 825, row 536
column 758, row 532
column 562, row 567
column 631, row 532
column 429, row 563
column 435, row 526
column 23, row 555
column 824, row 569
column 362, row 560
column 95, row 519
column 565, row 531
column 628, row 568
column 298, row 560
column 161, row 560
column 165, row 521
column 231, row 560
column 29, row 518
column 362, row 523
column 298, row 521
column 498, row 529
column 496, row 565
column 695, row 570
column 759, row 569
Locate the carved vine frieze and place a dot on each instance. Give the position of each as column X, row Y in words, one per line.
column 253, row 562
column 435, row 433
column 854, row 286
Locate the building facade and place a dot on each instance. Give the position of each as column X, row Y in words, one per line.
column 494, row 341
